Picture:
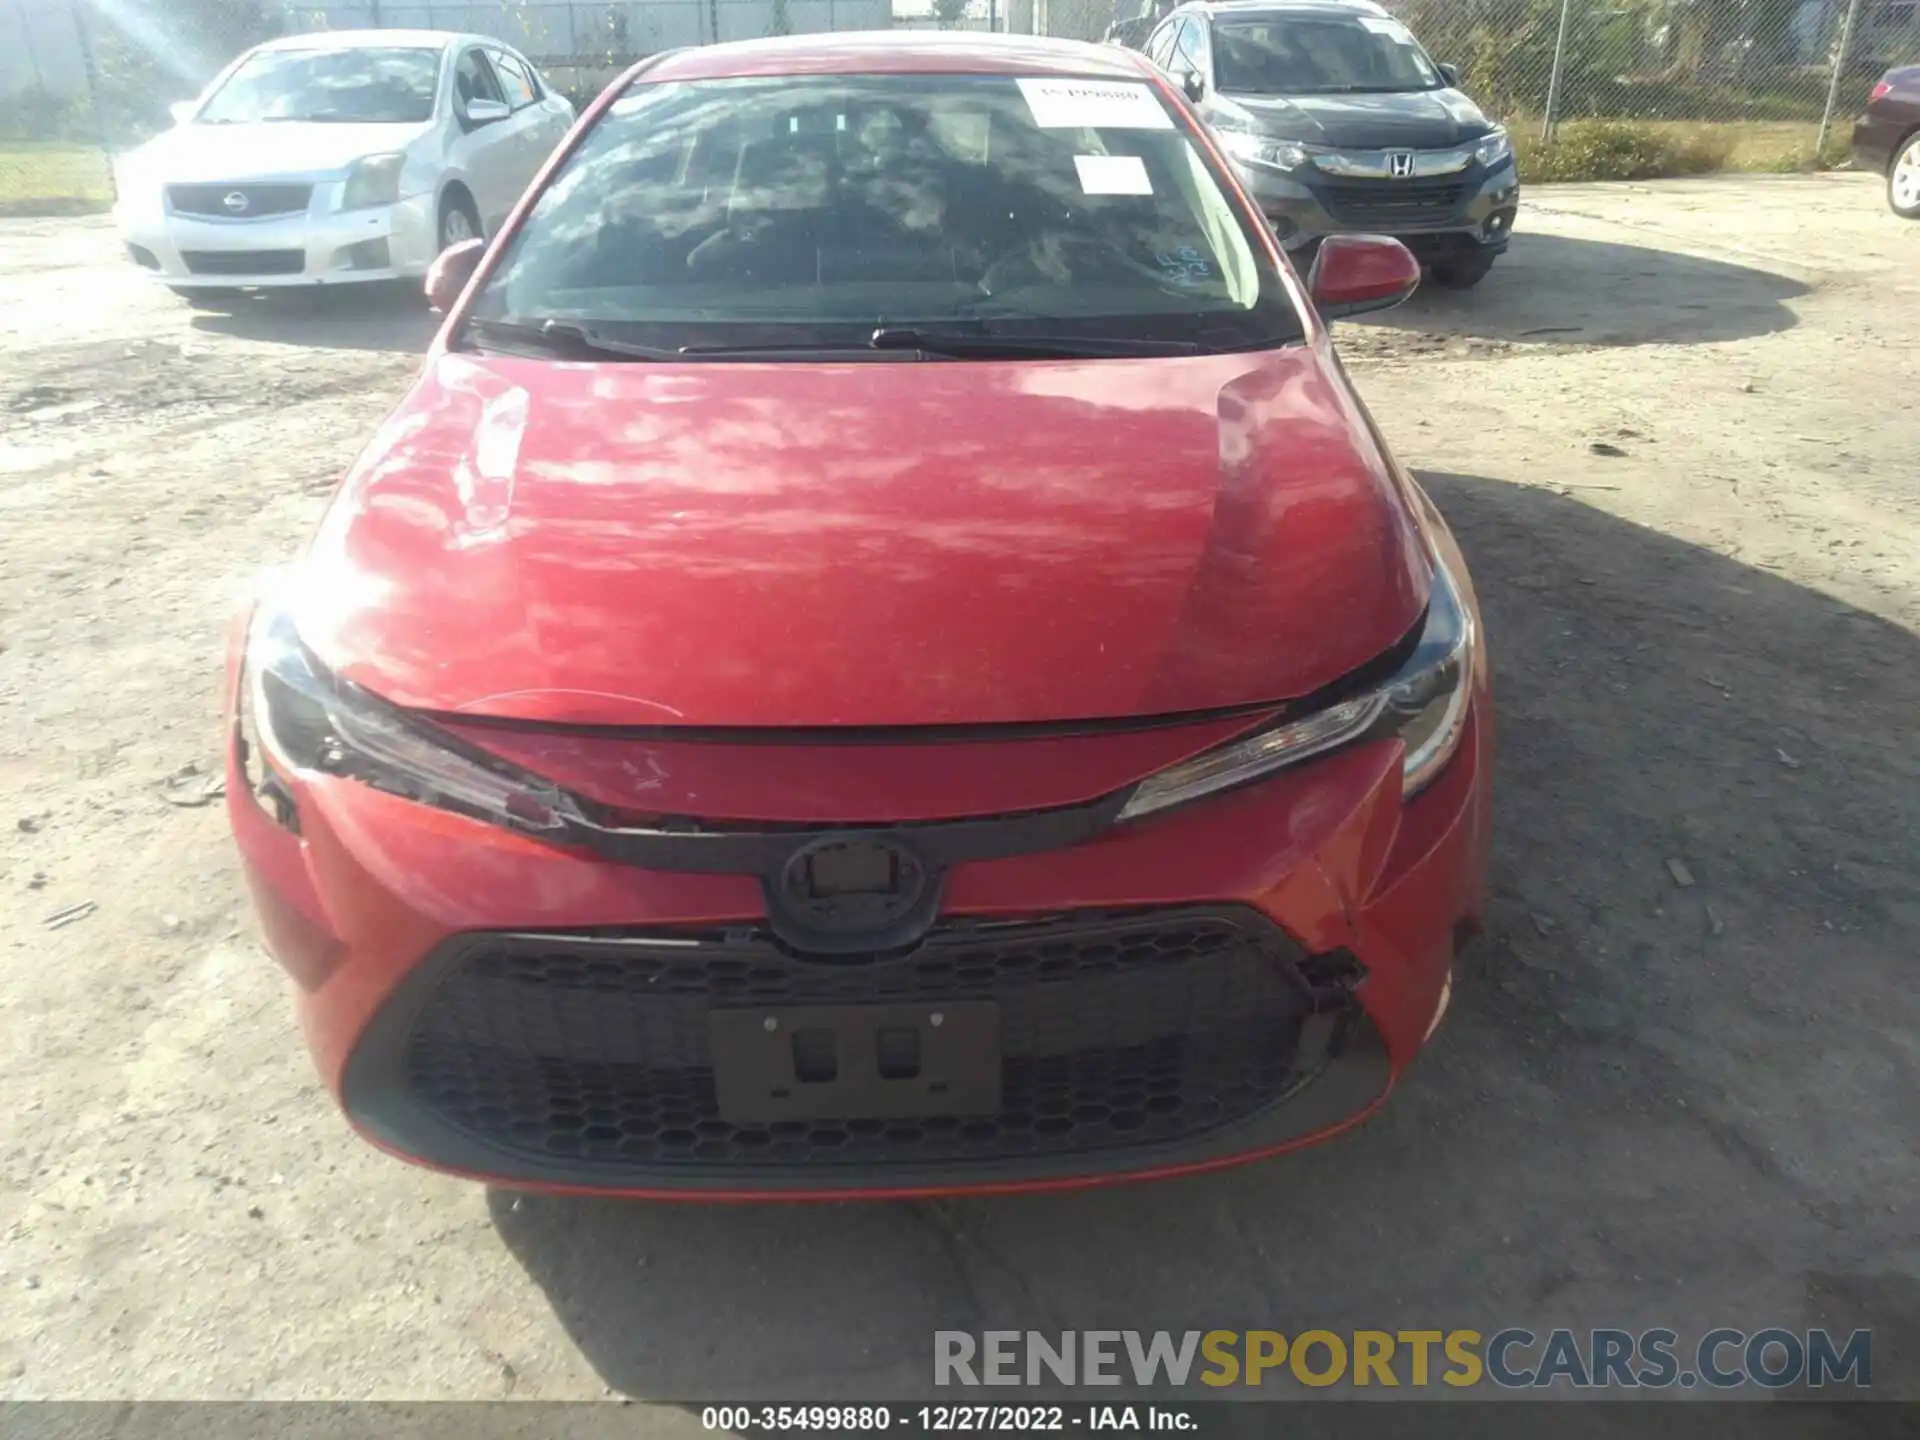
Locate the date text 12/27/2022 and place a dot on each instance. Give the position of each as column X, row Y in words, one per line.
column 946, row 1419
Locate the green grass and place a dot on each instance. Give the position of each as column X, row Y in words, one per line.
column 53, row 178
column 1652, row 149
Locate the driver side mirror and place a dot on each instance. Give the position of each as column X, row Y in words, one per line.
column 1193, row 85
column 449, row 274
column 1451, row 74
column 486, row 112
column 1354, row 274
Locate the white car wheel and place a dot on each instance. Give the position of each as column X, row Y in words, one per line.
column 1903, row 181
column 457, row 223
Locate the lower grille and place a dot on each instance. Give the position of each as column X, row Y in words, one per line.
column 1115, row 1030
column 239, row 202
column 245, row 262
column 1383, row 204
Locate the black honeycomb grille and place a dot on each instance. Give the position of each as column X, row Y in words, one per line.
column 1113, row 1031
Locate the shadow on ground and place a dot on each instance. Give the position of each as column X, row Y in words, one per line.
column 391, row 317
column 1553, row 289
column 1653, row 1104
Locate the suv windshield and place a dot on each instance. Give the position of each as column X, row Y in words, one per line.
column 811, row 211
column 366, row 86
column 1301, row 55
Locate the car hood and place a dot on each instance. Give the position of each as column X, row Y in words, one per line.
column 218, row 153
column 880, row 544
column 1417, row 119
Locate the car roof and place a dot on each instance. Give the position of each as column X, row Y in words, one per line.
column 897, row 52
column 372, row 39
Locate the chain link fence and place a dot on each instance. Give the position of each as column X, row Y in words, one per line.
column 1741, row 83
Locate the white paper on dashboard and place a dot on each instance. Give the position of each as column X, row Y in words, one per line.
column 1113, row 175
column 1095, row 105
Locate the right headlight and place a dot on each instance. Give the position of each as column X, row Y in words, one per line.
column 296, row 717
column 1423, row 705
column 1259, row 150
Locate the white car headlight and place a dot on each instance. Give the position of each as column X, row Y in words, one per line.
column 1259, row 150
column 373, row 181
column 1423, row 705
column 1494, row 147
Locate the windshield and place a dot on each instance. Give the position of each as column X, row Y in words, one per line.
column 365, row 86
column 1296, row 55
column 812, row 210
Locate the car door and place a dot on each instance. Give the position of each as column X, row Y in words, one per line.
column 484, row 154
column 540, row 118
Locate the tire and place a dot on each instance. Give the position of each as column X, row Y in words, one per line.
column 459, row 220
column 206, row 297
column 1461, row 274
column 1903, row 179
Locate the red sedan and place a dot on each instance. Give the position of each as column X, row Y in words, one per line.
column 881, row 654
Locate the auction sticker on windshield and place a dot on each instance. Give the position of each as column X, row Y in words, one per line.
column 1094, row 105
column 1113, row 175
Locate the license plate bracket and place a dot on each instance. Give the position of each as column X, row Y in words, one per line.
column 856, row 1062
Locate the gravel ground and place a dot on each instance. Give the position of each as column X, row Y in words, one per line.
column 1676, row 431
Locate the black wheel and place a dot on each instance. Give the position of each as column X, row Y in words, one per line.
column 1461, row 274
column 1903, row 179
column 459, row 220
column 207, row 297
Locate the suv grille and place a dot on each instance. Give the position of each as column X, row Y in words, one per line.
column 261, row 201
column 1114, row 1030
column 1383, row 204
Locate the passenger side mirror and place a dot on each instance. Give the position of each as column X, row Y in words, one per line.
column 1353, row 274
column 1451, row 74
column 183, row 111
column 485, row 112
column 449, row 274
column 1194, row 85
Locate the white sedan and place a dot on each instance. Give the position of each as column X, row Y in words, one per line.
column 337, row 157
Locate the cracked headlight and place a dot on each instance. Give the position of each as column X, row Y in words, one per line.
column 1424, row 706
column 307, row 719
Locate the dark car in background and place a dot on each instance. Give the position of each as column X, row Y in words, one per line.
column 1886, row 140
column 1338, row 121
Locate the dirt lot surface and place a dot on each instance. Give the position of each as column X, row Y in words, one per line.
column 1655, row 1103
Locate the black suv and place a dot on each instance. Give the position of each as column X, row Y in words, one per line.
column 1337, row 120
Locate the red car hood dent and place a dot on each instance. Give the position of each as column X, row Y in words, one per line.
column 866, row 544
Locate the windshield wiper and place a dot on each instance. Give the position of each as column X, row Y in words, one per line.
column 985, row 345
column 564, row 339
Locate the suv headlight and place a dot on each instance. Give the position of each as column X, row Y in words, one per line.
column 307, row 719
column 1494, row 147
column 373, row 181
column 1424, row 706
column 1259, row 150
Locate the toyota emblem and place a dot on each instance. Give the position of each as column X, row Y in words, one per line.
column 1400, row 163
column 237, row 202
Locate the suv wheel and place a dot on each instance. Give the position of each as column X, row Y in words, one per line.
column 1903, row 179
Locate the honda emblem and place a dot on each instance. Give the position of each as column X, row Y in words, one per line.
column 1400, row 163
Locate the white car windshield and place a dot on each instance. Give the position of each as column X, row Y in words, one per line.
column 811, row 210
column 350, row 86
column 1298, row 55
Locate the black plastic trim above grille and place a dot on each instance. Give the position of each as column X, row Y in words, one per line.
column 1129, row 1040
